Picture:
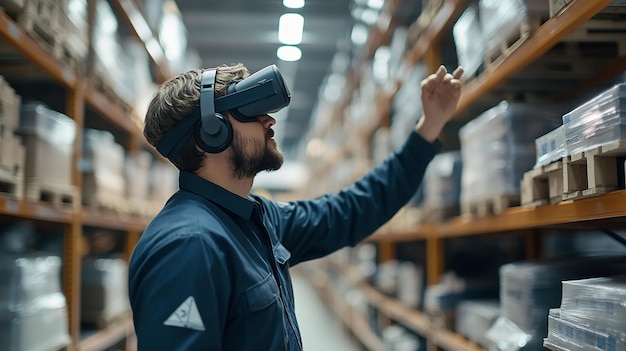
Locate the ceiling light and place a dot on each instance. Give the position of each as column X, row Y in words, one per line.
column 359, row 34
column 289, row 53
column 375, row 4
column 369, row 16
column 293, row 4
column 290, row 27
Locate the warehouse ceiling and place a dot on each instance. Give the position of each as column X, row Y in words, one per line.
column 246, row 31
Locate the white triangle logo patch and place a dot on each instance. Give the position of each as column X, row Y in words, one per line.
column 186, row 316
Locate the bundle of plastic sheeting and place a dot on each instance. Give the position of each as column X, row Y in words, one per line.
column 31, row 303
column 498, row 146
column 528, row 290
column 599, row 121
column 592, row 315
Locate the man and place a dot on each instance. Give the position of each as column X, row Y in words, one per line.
column 211, row 271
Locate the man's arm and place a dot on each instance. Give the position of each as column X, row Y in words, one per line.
column 312, row 229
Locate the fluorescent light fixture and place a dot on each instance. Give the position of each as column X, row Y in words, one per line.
column 293, row 4
column 369, row 16
column 359, row 34
column 375, row 4
column 290, row 27
column 289, row 53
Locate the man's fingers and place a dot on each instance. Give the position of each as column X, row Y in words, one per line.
column 458, row 72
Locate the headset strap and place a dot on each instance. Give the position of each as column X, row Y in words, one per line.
column 173, row 141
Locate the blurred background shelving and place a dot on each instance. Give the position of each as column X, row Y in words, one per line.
column 83, row 71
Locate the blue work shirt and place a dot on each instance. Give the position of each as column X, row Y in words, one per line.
column 211, row 270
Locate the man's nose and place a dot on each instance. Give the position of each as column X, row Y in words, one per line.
column 267, row 120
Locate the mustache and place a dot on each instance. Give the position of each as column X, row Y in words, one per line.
column 270, row 134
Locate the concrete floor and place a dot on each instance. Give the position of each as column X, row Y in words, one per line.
column 320, row 329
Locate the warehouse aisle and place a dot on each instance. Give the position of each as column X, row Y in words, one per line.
column 320, row 329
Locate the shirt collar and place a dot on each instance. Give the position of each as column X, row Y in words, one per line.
column 216, row 194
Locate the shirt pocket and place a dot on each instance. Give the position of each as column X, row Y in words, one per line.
column 262, row 294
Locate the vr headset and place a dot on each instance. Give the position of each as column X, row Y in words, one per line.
column 261, row 93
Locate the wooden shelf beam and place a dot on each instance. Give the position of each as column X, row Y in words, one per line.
column 25, row 210
column 12, row 33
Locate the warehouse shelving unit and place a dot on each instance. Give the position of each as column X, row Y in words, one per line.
column 603, row 211
column 38, row 63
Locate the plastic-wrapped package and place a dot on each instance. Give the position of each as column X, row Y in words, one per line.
column 442, row 180
column 498, row 146
column 451, row 290
column 31, row 301
column 103, row 289
column 529, row 289
column 102, row 166
column 550, row 147
column 504, row 335
column 137, row 172
column 48, row 138
column 163, row 181
column 475, row 317
column 105, row 42
column 76, row 28
column 598, row 303
column 567, row 335
column 468, row 38
column 500, row 18
column 407, row 107
column 599, row 121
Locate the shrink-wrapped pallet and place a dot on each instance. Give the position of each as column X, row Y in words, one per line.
column 33, row 310
column 407, row 107
column 502, row 20
column 104, row 290
column 498, row 146
column 442, row 181
column 470, row 43
column 528, row 290
column 592, row 315
column 597, row 122
column 102, row 166
column 137, row 179
column 564, row 334
column 48, row 138
column 550, row 147
column 599, row 303
column 475, row 317
column 163, row 182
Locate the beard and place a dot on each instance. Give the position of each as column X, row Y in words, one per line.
column 249, row 156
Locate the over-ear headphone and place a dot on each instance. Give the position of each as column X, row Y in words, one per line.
column 214, row 133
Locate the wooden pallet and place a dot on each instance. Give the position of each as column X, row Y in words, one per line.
column 593, row 172
column 11, row 183
column 496, row 55
column 489, row 206
column 56, row 195
column 105, row 203
column 439, row 214
column 543, row 185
